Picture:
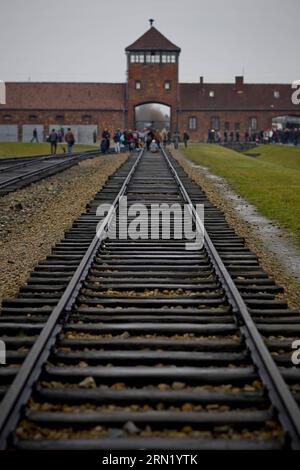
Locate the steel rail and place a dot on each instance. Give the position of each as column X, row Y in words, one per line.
column 16, row 162
column 281, row 396
column 20, row 389
column 67, row 162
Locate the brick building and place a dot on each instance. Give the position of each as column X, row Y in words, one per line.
column 152, row 63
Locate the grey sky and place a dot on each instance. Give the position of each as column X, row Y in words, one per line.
column 84, row 40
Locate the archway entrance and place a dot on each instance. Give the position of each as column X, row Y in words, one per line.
column 153, row 116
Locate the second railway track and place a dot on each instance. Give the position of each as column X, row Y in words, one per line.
column 15, row 173
column 145, row 345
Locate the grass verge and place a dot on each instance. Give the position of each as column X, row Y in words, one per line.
column 271, row 181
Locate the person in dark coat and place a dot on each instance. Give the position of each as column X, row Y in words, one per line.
column 106, row 135
column 185, row 138
column 53, row 138
column 35, row 136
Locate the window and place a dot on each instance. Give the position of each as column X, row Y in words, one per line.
column 153, row 58
column 192, row 123
column 173, row 59
column 237, row 126
column 164, row 58
column 7, row 117
column 253, row 123
column 211, row 94
column 137, row 58
column 215, row 123
column 226, row 126
column 167, row 85
column 87, row 118
column 32, row 117
column 59, row 117
column 137, row 85
column 276, row 94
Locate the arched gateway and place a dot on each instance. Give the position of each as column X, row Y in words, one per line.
column 152, row 115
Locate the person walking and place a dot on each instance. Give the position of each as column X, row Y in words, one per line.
column 70, row 139
column 117, row 138
column 106, row 136
column 35, row 136
column 176, row 140
column 149, row 138
column 53, row 138
column 185, row 138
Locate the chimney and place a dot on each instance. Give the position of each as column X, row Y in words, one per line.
column 239, row 84
column 202, row 85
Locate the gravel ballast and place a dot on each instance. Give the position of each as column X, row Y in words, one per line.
column 34, row 219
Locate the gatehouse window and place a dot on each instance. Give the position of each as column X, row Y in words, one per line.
column 167, row 85
column 192, row 123
column 138, row 85
column 211, row 94
column 153, row 58
column 276, row 94
column 137, row 58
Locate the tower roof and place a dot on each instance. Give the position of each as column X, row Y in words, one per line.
column 153, row 40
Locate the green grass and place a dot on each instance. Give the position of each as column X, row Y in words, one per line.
column 18, row 149
column 271, row 181
column 288, row 157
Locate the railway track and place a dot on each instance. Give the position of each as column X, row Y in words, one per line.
column 15, row 173
column 140, row 344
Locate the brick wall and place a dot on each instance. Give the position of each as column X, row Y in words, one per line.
column 110, row 119
column 264, row 121
column 152, row 78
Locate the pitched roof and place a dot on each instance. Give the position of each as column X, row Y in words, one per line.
column 153, row 40
column 195, row 96
column 64, row 95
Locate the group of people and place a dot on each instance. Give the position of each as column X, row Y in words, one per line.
column 278, row 136
column 59, row 136
column 55, row 137
column 128, row 140
column 133, row 139
column 269, row 136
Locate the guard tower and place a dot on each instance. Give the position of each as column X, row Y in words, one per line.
column 152, row 64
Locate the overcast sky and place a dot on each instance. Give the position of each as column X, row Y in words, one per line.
column 84, row 40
